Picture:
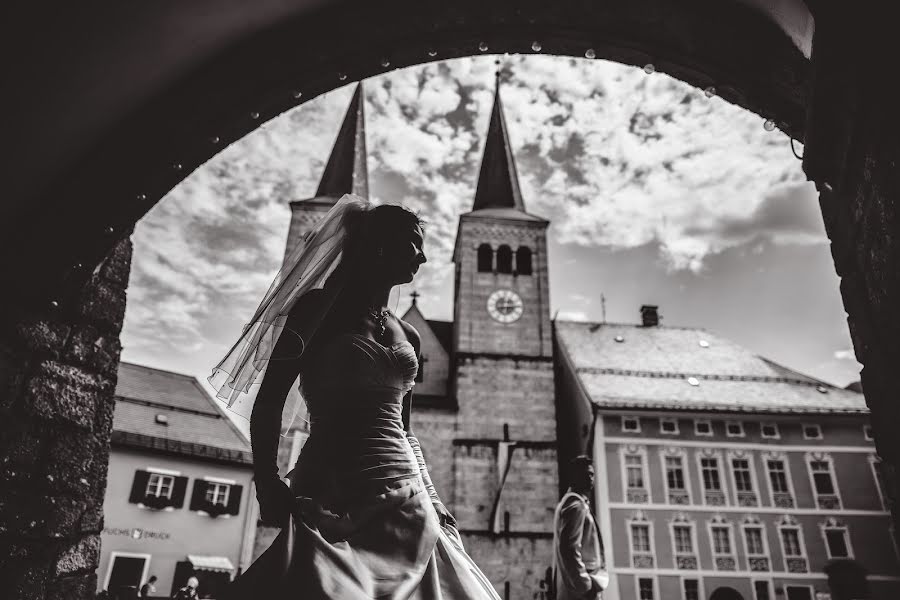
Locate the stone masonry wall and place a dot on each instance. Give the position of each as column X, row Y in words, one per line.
column 58, row 370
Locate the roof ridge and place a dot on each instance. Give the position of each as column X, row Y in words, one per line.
column 220, row 410
column 157, row 370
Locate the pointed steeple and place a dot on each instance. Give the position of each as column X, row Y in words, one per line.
column 346, row 172
column 498, row 182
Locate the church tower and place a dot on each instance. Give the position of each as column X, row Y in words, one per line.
column 345, row 173
column 505, row 468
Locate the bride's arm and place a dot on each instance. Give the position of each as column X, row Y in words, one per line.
column 265, row 419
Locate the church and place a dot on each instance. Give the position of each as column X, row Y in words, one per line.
column 505, row 396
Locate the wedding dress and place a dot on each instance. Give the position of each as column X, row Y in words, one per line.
column 364, row 524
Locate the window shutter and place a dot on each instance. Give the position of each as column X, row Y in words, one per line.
column 179, row 490
column 234, row 500
column 139, row 487
column 198, row 495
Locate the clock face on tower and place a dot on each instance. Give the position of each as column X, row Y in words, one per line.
column 505, row 306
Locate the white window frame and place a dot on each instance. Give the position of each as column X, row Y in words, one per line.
column 716, row 522
column 723, row 477
column 748, row 456
column 762, row 431
column 686, row 473
column 160, row 478
column 112, row 559
column 769, row 587
column 740, row 424
column 779, row 456
column 682, row 521
column 752, row 522
column 637, row 586
column 789, row 522
column 641, row 519
column 217, row 487
column 823, row 457
column 700, row 589
column 628, row 418
column 821, row 435
column 832, row 523
column 645, row 471
column 708, row 423
column 812, row 590
column 868, row 433
column 874, row 460
column 666, row 420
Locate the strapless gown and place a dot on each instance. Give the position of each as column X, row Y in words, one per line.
column 364, row 526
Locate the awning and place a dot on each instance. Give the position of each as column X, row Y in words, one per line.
column 210, row 563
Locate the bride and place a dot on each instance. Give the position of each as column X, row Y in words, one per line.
column 361, row 518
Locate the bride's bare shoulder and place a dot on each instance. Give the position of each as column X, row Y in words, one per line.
column 411, row 334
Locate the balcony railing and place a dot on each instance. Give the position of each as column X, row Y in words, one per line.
column 714, row 498
column 747, row 499
column 829, row 502
column 726, row 563
column 637, row 496
column 797, row 564
column 642, row 561
column 679, row 497
column 759, row 563
column 783, row 500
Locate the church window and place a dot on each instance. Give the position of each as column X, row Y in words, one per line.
column 523, row 260
column 485, row 258
column 504, row 259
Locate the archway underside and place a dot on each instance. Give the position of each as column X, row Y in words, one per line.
column 81, row 215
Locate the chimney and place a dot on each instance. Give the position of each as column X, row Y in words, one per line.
column 649, row 316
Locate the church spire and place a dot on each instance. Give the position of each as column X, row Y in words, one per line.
column 498, row 182
column 346, row 172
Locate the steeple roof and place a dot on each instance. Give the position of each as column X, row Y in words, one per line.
column 346, row 172
column 498, row 182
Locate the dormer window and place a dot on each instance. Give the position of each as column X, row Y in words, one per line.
column 734, row 429
column 812, row 432
column 668, row 426
column 631, row 425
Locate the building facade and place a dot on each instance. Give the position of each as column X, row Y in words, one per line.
column 179, row 499
column 720, row 470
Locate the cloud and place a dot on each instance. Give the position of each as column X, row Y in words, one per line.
column 614, row 157
column 848, row 354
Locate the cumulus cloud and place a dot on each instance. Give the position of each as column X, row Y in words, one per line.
column 612, row 156
column 848, row 354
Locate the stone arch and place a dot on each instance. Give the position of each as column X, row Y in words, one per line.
column 209, row 101
column 725, row 593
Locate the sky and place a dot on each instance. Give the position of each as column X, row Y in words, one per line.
column 657, row 194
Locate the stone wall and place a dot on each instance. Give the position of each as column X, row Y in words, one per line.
column 517, row 562
column 852, row 151
column 58, row 370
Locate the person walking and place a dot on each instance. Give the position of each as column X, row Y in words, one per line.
column 149, row 588
column 189, row 591
column 579, row 564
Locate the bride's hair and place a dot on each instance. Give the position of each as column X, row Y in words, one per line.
column 370, row 230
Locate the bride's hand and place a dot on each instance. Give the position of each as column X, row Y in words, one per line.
column 275, row 501
column 444, row 515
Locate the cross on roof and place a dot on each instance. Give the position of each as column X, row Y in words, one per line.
column 414, row 295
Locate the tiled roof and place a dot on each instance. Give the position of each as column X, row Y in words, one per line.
column 443, row 331
column 631, row 366
column 193, row 417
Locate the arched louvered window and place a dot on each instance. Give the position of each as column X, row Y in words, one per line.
column 504, row 259
column 523, row 260
column 485, row 258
